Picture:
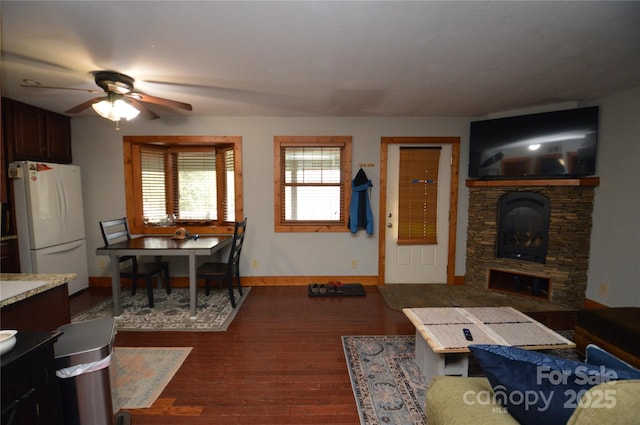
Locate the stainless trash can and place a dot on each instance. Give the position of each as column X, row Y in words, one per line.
column 83, row 357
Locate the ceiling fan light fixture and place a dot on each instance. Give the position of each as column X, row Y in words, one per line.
column 115, row 109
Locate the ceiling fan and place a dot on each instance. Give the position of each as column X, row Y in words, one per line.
column 121, row 100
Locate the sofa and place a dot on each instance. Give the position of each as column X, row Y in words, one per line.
column 452, row 400
column 532, row 388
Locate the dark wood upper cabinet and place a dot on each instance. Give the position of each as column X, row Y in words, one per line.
column 29, row 137
column 32, row 133
column 58, row 137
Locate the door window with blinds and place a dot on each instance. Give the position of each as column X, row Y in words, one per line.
column 311, row 184
column 418, row 195
column 177, row 184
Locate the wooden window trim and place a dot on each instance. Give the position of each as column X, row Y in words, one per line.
column 132, row 181
column 312, row 141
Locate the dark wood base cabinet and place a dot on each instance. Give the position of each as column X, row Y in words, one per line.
column 9, row 256
column 30, row 389
column 45, row 311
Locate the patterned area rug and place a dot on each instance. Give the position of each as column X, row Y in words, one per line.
column 142, row 373
column 171, row 312
column 387, row 384
column 388, row 387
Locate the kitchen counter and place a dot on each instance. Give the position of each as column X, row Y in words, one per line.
column 34, row 301
column 19, row 286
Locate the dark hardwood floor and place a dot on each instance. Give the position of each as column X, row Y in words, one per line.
column 280, row 362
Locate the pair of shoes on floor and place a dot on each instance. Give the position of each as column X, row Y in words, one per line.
column 335, row 287
column 318, row 288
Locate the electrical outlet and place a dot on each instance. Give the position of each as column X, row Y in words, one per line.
column 102, row 264
column 354, row 264
column 604, row 289
column 254, row 264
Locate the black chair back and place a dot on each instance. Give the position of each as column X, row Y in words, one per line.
column 236, row 244
column 117, row 230
column 226, row 271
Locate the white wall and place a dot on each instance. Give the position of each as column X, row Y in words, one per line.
column 615, row 238
column 615, row 242
column 97, row 148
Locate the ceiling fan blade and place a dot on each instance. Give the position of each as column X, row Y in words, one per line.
column 236, row 94
column 84, row 105
column 144, row 111
column 32, row 86
column 160, row 101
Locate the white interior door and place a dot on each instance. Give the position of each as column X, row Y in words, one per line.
column 417, row 263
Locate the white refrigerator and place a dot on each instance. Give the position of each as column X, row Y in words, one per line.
column 50, row 220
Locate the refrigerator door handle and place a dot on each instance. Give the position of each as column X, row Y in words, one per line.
column 67, row 247
column 62, row 195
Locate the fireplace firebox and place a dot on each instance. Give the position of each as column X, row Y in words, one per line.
column 523, row 226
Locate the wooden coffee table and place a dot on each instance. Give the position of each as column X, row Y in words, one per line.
column 441, row 346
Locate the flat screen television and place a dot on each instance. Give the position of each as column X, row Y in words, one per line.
column 559, row 144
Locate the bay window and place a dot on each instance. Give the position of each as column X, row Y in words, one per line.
column 181, row 181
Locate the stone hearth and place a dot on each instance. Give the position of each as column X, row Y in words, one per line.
column 567, row 262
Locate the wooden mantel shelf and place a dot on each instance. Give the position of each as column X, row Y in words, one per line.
column 587, row 181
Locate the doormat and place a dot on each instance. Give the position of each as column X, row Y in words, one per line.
column 348, row 290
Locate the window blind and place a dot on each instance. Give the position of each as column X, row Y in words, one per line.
column 418, row 195
column 228, row 201
column 154, row 199
column 196, row 185
column 312, row 183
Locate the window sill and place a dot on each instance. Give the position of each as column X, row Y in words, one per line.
column 310, row 228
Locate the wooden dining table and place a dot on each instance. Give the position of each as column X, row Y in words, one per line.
column 154, row 245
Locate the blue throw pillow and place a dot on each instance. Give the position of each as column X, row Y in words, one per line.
column 537, row 388
column 599, row 357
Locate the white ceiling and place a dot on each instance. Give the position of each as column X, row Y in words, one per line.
column 325, row 58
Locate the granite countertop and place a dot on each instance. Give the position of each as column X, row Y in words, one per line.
column 19, row 286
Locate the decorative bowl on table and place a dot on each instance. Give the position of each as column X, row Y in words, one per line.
column 7, row 340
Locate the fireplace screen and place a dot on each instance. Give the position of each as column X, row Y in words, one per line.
column 523, row 226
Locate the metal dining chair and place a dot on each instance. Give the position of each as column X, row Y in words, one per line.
column 226, row 271
column 117, row 231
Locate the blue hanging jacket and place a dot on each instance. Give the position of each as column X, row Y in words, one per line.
column 360, row 214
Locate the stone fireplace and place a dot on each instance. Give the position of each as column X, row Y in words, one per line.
column 528, row 260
